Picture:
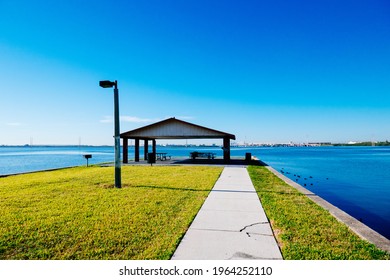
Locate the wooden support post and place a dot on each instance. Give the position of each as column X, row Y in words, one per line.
column 146, row 148
column 154, row 146
column 226, row 149
column 125, row 150
column 136, row 152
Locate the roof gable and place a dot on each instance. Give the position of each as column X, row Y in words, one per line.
column 175, row 129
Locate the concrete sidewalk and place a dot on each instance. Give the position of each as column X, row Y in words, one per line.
column 231, row 224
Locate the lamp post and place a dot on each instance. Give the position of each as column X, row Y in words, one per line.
column 109, row 84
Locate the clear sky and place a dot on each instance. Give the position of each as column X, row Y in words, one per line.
column 266, row 71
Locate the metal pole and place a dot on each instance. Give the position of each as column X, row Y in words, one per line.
column 117, row 138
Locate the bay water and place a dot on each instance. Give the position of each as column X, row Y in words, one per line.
column 355, row 179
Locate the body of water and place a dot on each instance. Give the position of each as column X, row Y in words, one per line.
column 355, row 179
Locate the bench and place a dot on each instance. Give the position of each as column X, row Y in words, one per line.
column 194, row 155
column 162, row 156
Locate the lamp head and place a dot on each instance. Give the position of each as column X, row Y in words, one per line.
column 107, row 84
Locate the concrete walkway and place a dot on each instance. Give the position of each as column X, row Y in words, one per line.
column 231, row 224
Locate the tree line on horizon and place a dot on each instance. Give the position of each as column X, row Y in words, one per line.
column 366, row 143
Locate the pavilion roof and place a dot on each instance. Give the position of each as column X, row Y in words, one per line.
column 173, row 128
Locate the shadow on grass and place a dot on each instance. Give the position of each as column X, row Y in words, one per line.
column 288, row 193
column 160, row 187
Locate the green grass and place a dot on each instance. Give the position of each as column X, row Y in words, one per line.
column 77, row 214
column 303, row 229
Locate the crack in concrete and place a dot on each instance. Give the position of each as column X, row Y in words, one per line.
column 241, row 230
column 254, row 224
column 260, row 223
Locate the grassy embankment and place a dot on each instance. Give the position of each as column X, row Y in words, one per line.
column 77, row 214
column 303, row 229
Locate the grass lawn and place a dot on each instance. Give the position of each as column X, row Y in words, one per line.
column 76, row 213
column 303, row 229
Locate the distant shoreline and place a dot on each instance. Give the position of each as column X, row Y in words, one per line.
column 250, row 145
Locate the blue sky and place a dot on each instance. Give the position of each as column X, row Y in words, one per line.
column 266, row 71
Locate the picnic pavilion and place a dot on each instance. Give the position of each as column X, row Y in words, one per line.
column 171, row 128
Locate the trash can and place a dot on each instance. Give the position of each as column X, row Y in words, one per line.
column 248, row 156
column 151, row 158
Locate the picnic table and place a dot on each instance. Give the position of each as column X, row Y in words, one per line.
column 162, row 156
column 195, row 155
